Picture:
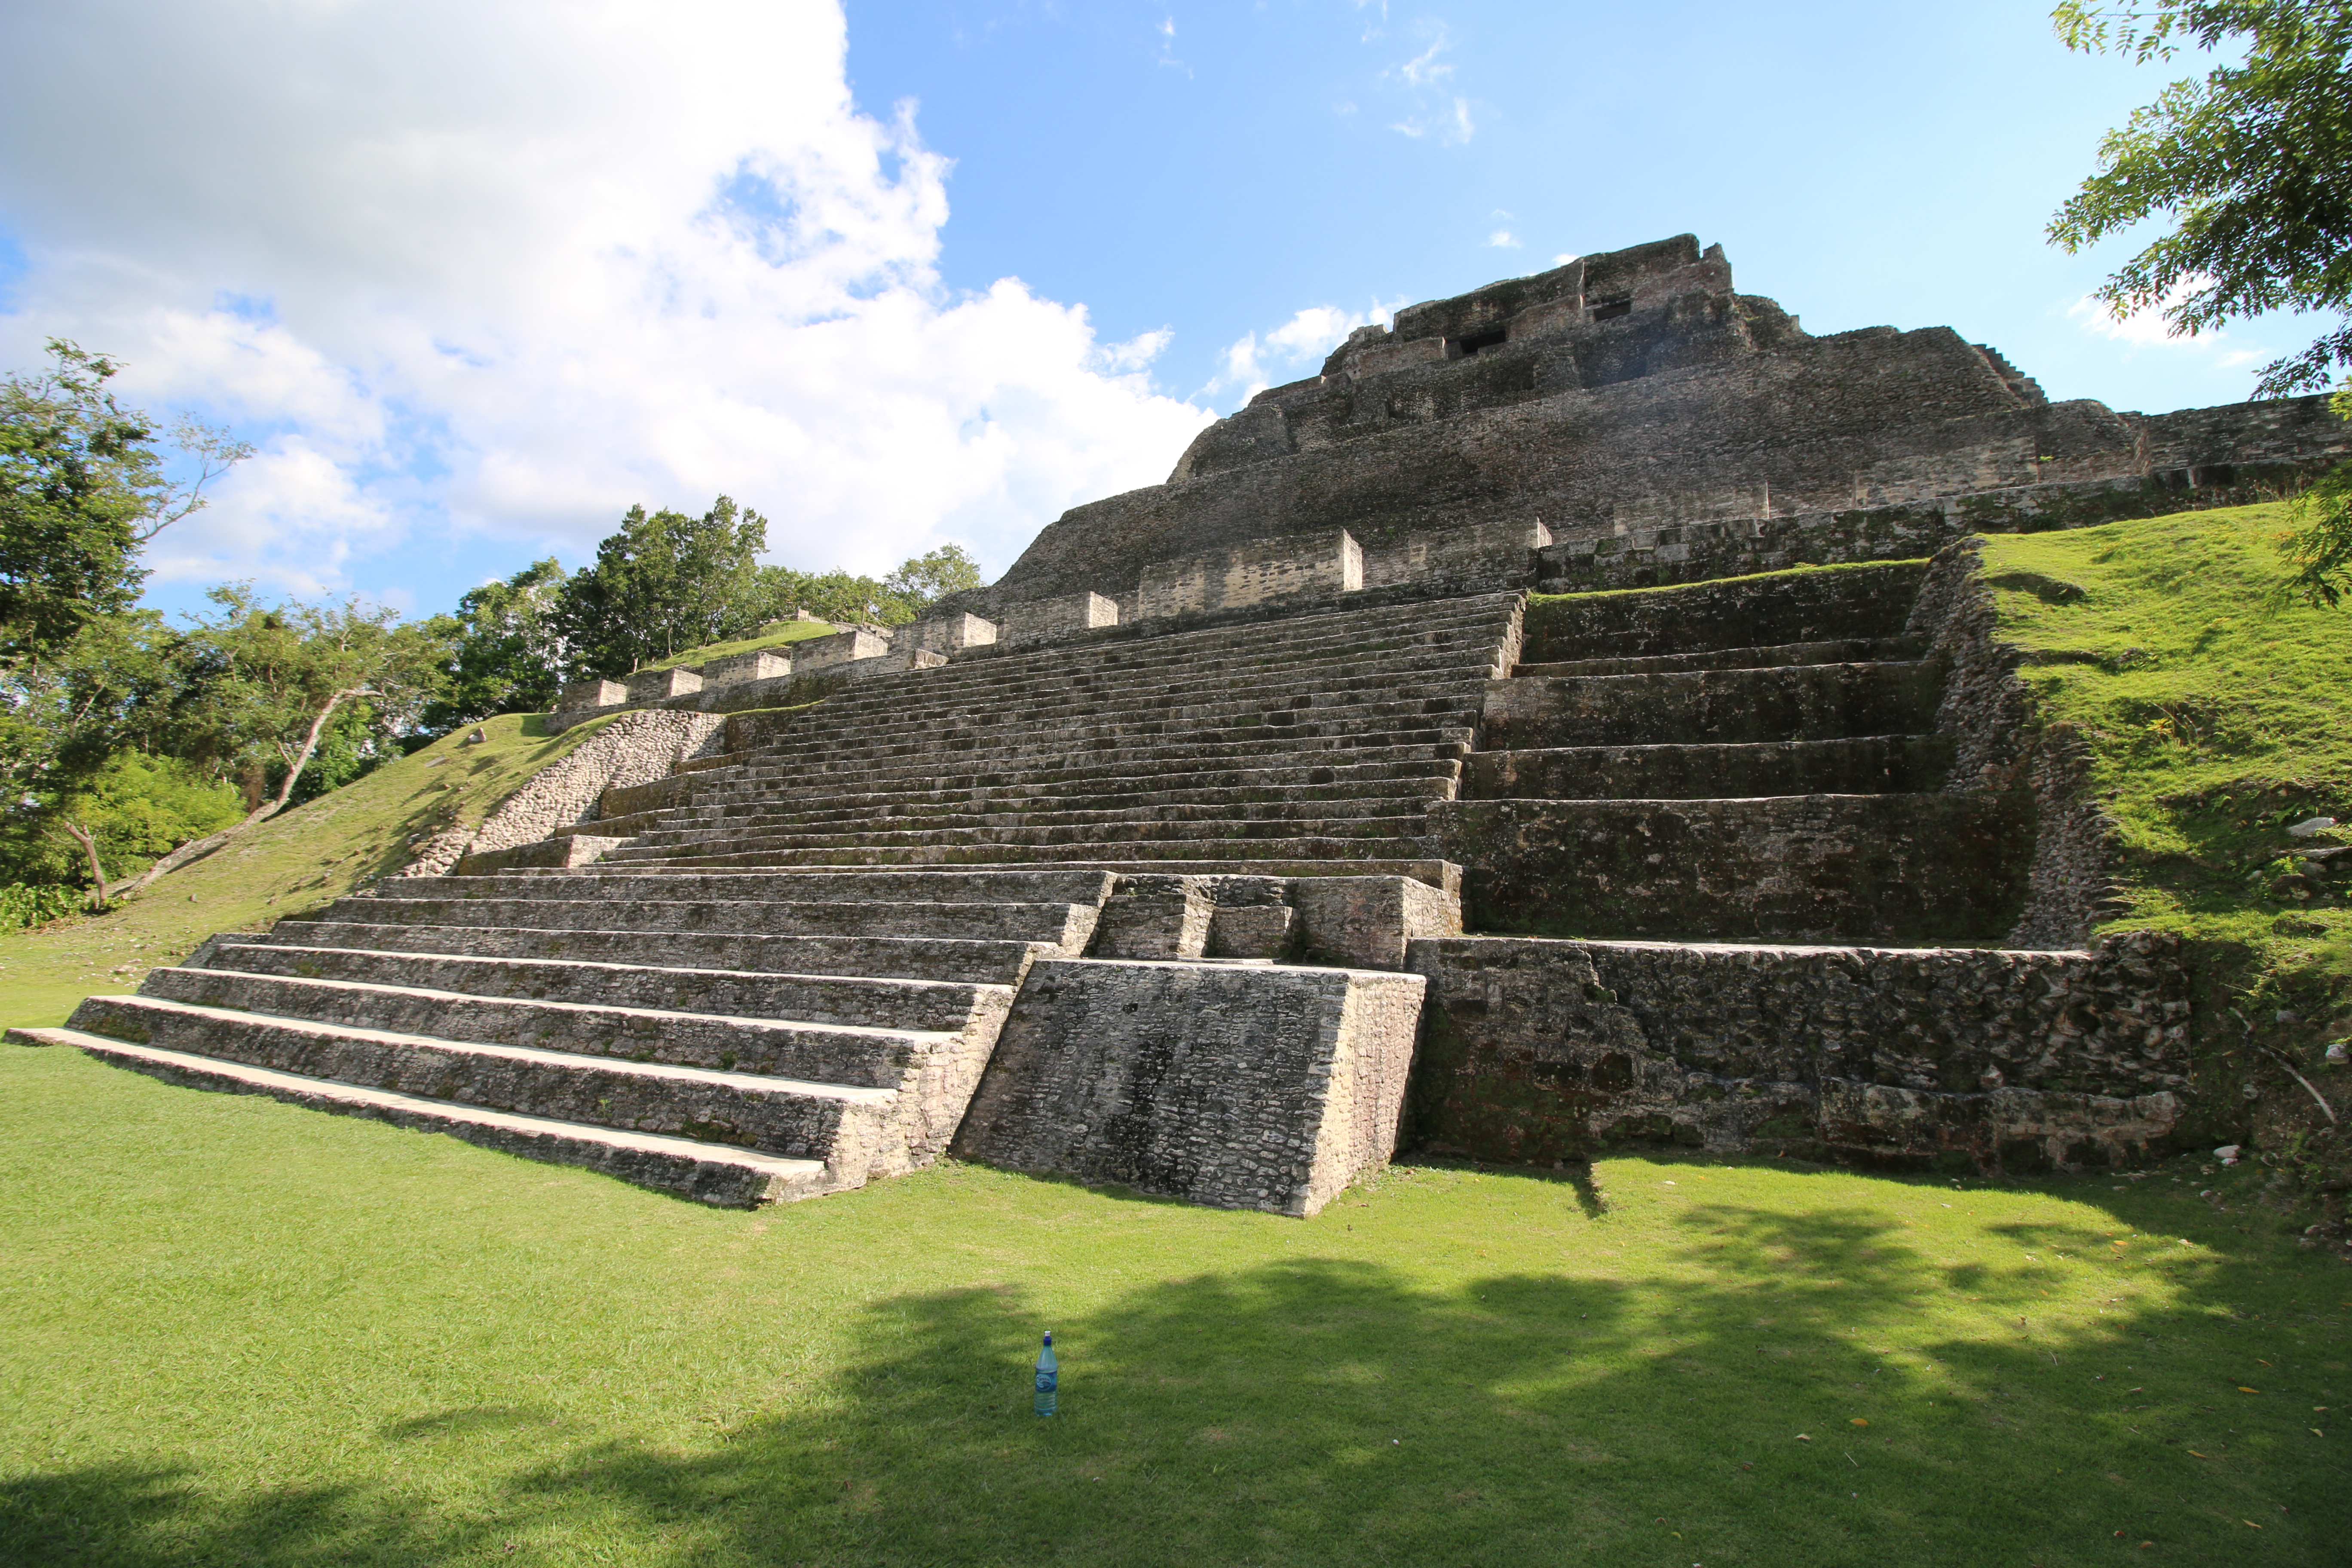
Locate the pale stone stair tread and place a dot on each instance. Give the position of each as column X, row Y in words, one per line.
column 857, row 1051
column 1850, row 651
column 619, row 1066
column 715, row 1172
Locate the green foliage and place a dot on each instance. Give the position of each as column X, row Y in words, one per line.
column 23, row 904
column 137, row 807
column 664, row 582
column 892, row 601
column 509, row 654
column 82, row 486
column 2319, row 549
column 2254, row 162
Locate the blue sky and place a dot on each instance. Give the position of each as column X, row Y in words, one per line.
column 476, row 277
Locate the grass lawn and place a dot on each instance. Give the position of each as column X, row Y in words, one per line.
column 240, row 1333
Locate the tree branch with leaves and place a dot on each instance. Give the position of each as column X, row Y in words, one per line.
column 2253, row 162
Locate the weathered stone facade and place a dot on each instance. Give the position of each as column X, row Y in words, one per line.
column 1137, row 865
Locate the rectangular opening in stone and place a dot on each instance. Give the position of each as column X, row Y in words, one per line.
column 1471, row 344
column 1609, row 310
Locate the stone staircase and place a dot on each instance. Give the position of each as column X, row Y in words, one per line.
column 1749, row 759
column 1785, row 928
column 736, row 1038
column 1315, row 743
column 788, row 972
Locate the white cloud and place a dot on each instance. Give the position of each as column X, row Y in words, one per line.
column 1436, row 113
column 1250, row 363
column 502, row 270
column 1503, row 239
column 2146, row 328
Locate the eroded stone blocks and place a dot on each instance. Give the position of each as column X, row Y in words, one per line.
column 654, row 685
column 1262, row 572
column 1049, row 620
column 841, row 647
column 947, row 633
column 737, row 669
column 1238, row 1087
column 587, row 694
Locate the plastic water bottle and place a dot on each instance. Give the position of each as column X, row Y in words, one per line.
column 1049, row 1377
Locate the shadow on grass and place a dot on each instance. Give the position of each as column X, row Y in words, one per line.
column 1326, row 1411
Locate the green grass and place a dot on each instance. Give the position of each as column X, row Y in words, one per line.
column 797, row 631
column 292, row 862
column 240, row 1333
column 2216, row 714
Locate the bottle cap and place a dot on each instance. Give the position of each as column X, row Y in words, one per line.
column 1049, row 1336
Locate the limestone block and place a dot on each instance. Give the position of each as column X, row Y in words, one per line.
column 1365, row 923
column 1473, row 557
column 895, row 661
column 586, row 694
column 1262, row 572
column 947, row 633
column 653, row 685
column 737, row 668
column 1242, row 1087
column 1250, row 931
column 1049, row 620
column 841, row 647
column 1383, row 358
column 574, row 849
column 1156, row 916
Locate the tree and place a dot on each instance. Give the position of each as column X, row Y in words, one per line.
column 924, row 581
column 123, row 684
column 664, row 582
column 273, row 680
column 509, row 649
column 2319, row 548
column 2254, row 162
column 82, row 488
column 838, row 595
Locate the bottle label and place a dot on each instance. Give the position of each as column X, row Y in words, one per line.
column 1045, row 1381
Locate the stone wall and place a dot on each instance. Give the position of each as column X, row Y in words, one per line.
column 1238, row 1086
column 632, row 749
column 1538, row 1051
column 2000, row 747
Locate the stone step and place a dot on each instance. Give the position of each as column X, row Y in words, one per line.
column 1017, row 815
column 845, row 747
column 850, row 1001
column 1198, row 857
column 849, row 1129
column 1064, row 926
column 1441, row 874
column 976, row 885
column 1446, row 743
column 1772, row 609
column 1804, row 702
column 1311, row 755
column 687, row 794
column 1094, row 838
column 768, row 1048
column 1869, row 765
column 1200, row 702
column 707, row 1173
column 1890, row 869
column 875, row 957
column 1852, row 651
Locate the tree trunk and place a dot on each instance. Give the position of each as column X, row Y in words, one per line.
column 81, row 835
column 195, row 848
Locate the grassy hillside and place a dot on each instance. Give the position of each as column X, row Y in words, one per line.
column 241, row 1332
column 295, row 861
column 2217, row 714
column 797, row 631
